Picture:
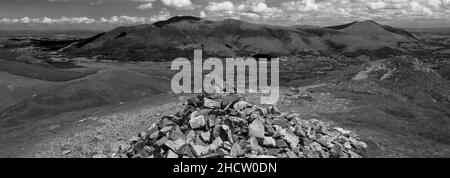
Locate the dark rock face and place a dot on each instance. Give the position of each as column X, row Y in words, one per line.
column 238, row 129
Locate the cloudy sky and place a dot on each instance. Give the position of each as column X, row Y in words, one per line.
column 106, row 14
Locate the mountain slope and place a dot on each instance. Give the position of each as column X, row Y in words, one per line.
column 179, row 36
column 107, row 87
column 374, row 31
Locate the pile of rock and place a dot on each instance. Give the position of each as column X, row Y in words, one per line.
column 229, row 127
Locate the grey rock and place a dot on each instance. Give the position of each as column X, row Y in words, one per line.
column 197, row 122
column 291, row 154
column 209, row 103
column 256, row 129
column 290, row 137
column 206, row 136
column 236, row 151
column 66, row 152
column 99, row 156
column 241, row 105
column 166, row 129
column 253, row 144
column 316, row 147
column 200, row 150
column 175, row 145
column 216, row 143
column 281, row 122
column 282, row 144
column 347, row 145
column 269, row 142
column 171, row 154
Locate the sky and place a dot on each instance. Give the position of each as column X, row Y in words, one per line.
column 107, row 14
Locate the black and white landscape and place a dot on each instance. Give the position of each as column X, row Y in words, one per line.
column 94, row 91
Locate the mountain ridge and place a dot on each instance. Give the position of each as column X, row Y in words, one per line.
column 180, row 35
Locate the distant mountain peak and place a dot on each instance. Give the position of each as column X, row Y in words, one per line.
column 176, row 19
column 371, row 27
column 368, row 21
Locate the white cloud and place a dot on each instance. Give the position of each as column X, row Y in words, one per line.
column 420, row 9
column 46, row 20
column 220, row 6
column 304, row 5
column 250, row 10
column 118, row 20
column 377, row 5
column 203, row 14
column 179, row 4
column 145, row 6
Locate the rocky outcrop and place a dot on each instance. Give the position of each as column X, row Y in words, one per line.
column 230, row 127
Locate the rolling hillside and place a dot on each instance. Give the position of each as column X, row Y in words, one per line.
column 105, row 88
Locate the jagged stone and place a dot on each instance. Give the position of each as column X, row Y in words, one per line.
column 281, row 144
column 206, row 136
column 166, row 129
column 316, row 147
column 291, row 154
column 209, row 103
column 171, row 154
column 236, row 151
column 281, row 122
column 216, row 143
column 197, row 122
column 347, row 145
column 256, row 129
column 189, row 136
column 176, row 134
column 200, row 150
column 241, row 105
column 175, row 145
column 290, row 137
column 269, row 142
column 161, row 141
column 265, row 156
column 253, row 144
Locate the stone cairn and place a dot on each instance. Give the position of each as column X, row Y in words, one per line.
column 226, row 126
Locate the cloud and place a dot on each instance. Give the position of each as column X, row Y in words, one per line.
column 302, row 6
column 203, row 14
column 220, row 6
column 251, row 9
column 419, row 9
column 179, row 4
column 350, row 10
column 46, row 20
column 162, row 15
column 145, row 6
column 282, row 12
column 377, row 5
column 116, row 20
